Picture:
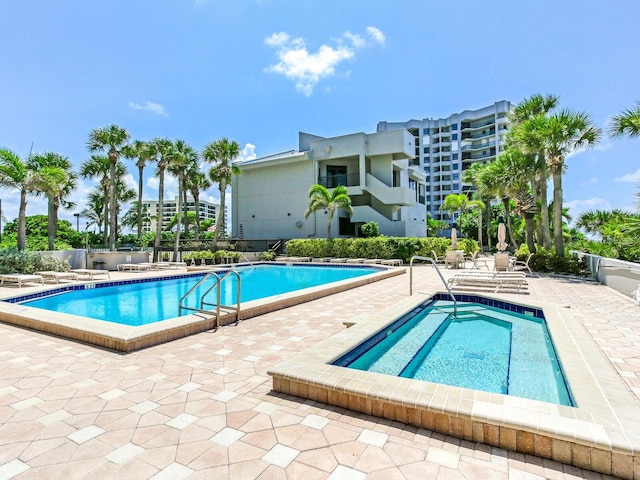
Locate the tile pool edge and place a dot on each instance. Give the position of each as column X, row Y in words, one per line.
column 601, row 434
column 125, row 338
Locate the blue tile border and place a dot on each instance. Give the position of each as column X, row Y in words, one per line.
column 103, row 284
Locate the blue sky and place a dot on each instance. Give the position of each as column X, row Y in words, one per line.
column 259, row 71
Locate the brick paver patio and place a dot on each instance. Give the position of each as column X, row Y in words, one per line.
column 202, row 406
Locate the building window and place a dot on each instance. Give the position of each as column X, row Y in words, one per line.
column 425, row 131
column 454, row 126
column 346, row 227
column 456, row 176
column 454, row 136
column 455, row 186
column 425, row 150
column 455, row 166
column 336, row 175
column 455, row 156
column 427, row 169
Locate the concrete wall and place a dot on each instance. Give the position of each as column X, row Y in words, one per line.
column 622, row 276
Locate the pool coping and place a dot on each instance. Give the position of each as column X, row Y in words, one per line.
column 126, row 338
column 601, row 434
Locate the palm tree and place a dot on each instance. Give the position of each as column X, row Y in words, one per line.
column 522, row 139
column 141, row 152
column 221, row 154
column 474, row 176
column 195, row 182
column 17, row 174
column 183, row 156
column 626, row 123
column 56, row 180
column 321, row 199
column 98, row 167
column 161, row 150
column 112, row 140
column 561, row 134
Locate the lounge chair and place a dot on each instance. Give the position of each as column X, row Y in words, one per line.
column 505, row 282
column 502, row 262
column 338, row 260
column 133, row 267
column 520, row 265
column 20, row 278
column 395, row 262
column 370, row 261
column 322, row 260
column 88, row 274
column 57, row 276
column 355, row 260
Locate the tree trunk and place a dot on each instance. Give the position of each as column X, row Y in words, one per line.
column 140, row 183
column 22, row 221
column 558, row 239
column 220, row 216
column 544, row 214
column 480, row 228
column 113, row 218
column 156, row 243
column 507, row 213
column 488, row 207
column 530, row 230
column 52, row 223
column 105, row 193
column 196, row 201
column 178, row 218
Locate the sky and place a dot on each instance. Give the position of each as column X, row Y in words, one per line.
column 260, row 71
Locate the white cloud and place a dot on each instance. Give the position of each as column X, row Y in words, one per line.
column 629, row 177
column 150, row 107
column 248, row 152
column 376, row 34
column 591, row 181
column 577, row 207
column 305, row 68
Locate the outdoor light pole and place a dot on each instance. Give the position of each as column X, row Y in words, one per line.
column 77, row 215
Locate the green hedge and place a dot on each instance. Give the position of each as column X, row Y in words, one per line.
column 376, row 247
column 13, row 261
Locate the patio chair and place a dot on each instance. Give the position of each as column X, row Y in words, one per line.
column 439, row 261
column 522, row 265
column 454, row 258
column 477, row 261
column 502, row 262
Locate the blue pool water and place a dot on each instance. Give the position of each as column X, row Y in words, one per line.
column 152, row 301
column 482, row 348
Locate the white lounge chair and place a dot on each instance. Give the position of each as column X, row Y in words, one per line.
column 476, row 261
column 20, row 278
column 454, row 259
column 57, row 276
column 502, row 262
column 88, row 274
column 520, row 265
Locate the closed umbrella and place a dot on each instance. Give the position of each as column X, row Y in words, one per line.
column 502, row 236
column 454, row 237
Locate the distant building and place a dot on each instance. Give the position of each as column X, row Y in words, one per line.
column 446, row 147
column 272, row 193
column 208, row 211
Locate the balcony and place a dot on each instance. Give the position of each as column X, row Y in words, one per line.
column 389, row 195
column 478, row 146
column 347, row 180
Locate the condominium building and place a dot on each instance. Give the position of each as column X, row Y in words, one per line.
column 208, row 211
column 272, row 193
column 446, row 147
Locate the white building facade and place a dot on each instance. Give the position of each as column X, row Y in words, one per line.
column 208, row 211
column 446, row 147
column 272, row 193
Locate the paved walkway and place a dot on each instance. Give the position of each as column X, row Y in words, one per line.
column 202, row 406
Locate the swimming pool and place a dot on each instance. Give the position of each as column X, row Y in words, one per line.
column 155, row 300
column 481, row 348
column 127, row 338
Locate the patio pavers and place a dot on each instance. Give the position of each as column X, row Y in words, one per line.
column 202, row 406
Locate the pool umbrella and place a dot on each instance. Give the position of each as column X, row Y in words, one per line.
column 454, row 237
column 502, row 236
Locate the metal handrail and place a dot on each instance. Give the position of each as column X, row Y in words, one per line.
column 446, row 285
column 217, row 304
column 217, row 283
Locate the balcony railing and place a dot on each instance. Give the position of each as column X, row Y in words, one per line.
column 346, row 180
column 479, row 146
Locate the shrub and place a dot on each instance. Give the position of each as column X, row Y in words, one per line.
column 376, row 247
column 370, row 230
column 13, row 261
column 268, row 256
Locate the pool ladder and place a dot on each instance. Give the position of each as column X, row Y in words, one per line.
column 215, row 286
column 446, row 285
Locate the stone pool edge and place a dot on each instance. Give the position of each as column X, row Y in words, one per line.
column 125, row 338
column 602, row 434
